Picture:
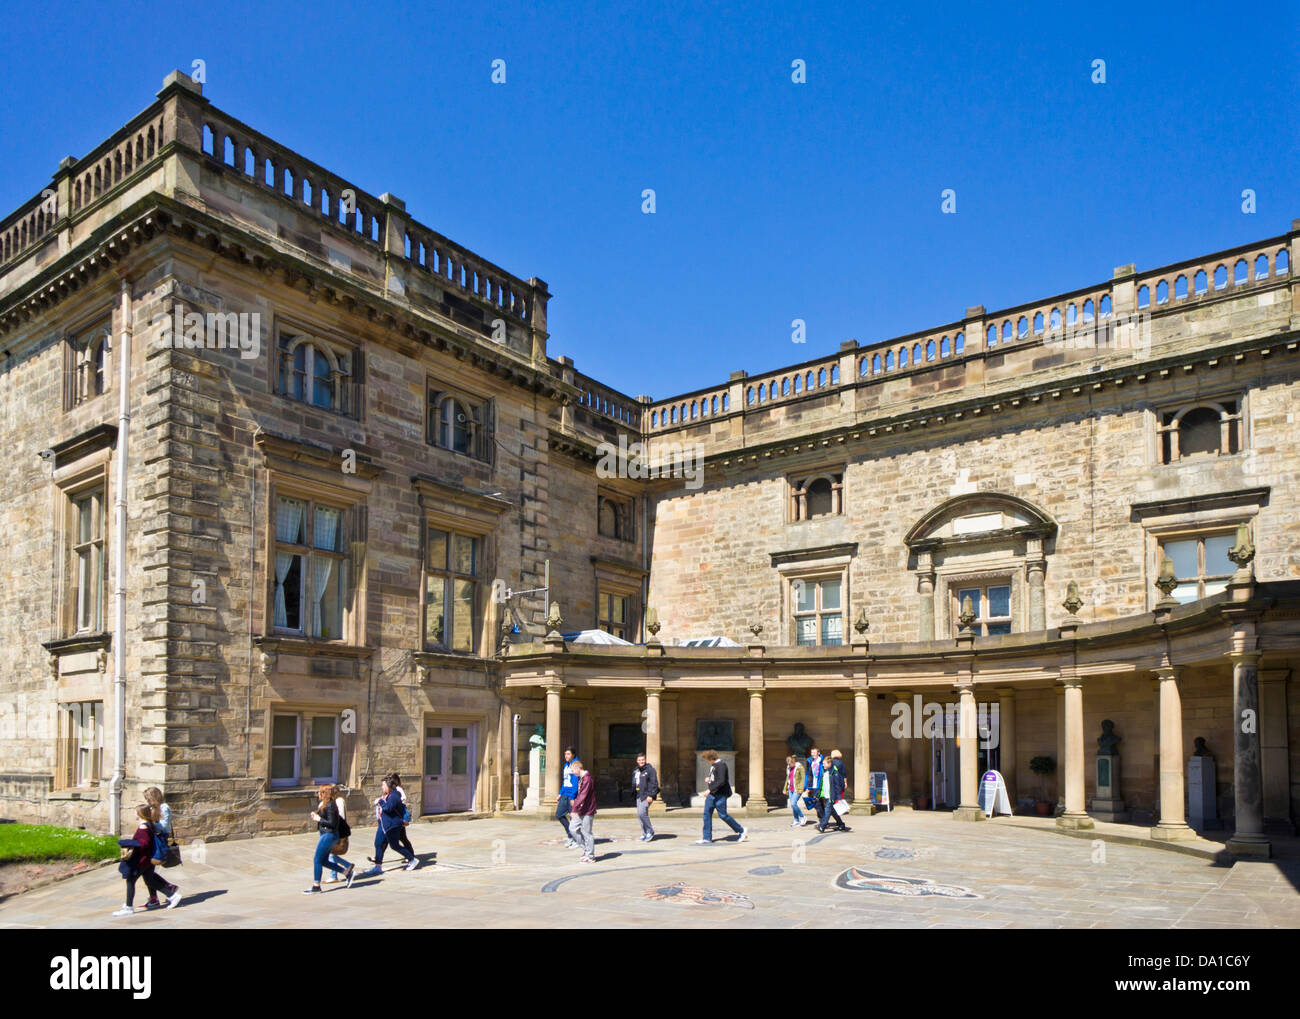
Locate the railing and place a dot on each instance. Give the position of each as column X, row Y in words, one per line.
column 608, row 403
column 1254, row 265
column 312, row 188
column 1251, row 266
column 116, row 159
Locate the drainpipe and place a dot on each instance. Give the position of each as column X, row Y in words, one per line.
column 119, row 565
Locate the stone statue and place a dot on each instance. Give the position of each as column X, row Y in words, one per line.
column 1107, row 741
column 799, row 741
column 1201, row 749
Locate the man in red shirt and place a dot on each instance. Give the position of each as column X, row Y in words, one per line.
column 583, row 814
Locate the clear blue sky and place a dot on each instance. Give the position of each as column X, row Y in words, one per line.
column 775, row 201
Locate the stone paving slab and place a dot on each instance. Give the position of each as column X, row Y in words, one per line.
column 894, row 870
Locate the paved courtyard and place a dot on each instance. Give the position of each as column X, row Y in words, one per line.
column 893, row 870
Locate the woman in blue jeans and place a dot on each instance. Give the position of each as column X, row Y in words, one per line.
column 326, row 816
column 390, row 814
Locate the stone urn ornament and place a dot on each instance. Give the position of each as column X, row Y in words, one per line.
column 1073, row 603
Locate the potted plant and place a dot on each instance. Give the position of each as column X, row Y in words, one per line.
column 1042, row 766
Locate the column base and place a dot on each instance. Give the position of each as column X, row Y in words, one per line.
column 969, row 814
column 1254, row 846
column 1075, row 822
column 756, row 808
column 1172, row 832
column 658, row 807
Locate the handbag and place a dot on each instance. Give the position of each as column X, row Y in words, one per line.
column 810, row 801
column 173, row 852
column 340, row 847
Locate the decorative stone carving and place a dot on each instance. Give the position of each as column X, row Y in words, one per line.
column 554, row 620
column 966, row 617
column 1073, row 603
column 268, row 662
column 1165, row 583
column 652, row 624
column 1242, row 552
column 756, row 629
column 862, row 624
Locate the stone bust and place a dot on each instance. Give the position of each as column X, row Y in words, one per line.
column 537, row 739
column 1107, row 741
column 799, row 741
column 1201, row 749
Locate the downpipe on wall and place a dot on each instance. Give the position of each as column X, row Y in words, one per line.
column 119, row 565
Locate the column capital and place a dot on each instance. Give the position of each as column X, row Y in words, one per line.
column 756, row 691
column 1171, row 672
column 552, row 685
column 1245, row 656
column 1070, row 683
column 654, row 691
column 861, row 693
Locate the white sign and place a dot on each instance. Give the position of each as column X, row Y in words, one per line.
column 879, row 788
column 993, row 794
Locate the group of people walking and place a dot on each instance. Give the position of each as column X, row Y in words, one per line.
column 817, row 784
column 392, row 815
column 575, row 806
column 145, row 852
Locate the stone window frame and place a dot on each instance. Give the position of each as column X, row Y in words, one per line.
column 77, row 482
column 797, row 485
column 624, row 508
column 343, row 356
column 623, row 580
column 314, row 500
column 448, row 575
column 992, row 577
column 89, row 339
column 344, row 745
column 1176, row 410
column 832, row 562
column 1198, row 535
column 300, row 470
column 67, row 757
column 1219, row 512
column 458, row 510
column 1020, row 552
column 481, row 411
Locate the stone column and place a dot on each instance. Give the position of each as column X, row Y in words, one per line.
column 756, row 806
column 1060, row 749
column 968, row 730
column 549, row 794
column 505, row 769
column 1248, row 838
column 1075, row 815
column 1275, row 752
column 925, row 599
column 652, row 752
column 861, row 777
column 669, row 773
column 1034, row 571
column 1007, row 739
column 903, row 796
column 1173, row 785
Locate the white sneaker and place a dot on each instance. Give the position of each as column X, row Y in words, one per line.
column 374, row 871
column 570, row 844
column 704, row 842
column 124, row 911
column 744, row 834
column 174, row 900
column 415, row 862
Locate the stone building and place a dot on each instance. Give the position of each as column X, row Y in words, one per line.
column 315, row 531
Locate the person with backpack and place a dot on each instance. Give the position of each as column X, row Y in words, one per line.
column 719, row 786
column 584, row 812
column 645, row 783
column 345, row 833
column 564, row 802
column 395, row 781
column 794, row 789
column 389, row 811
column 138, row 854
column 160, row 813
column 833, row 785
column 813, row 776
column 330, row 825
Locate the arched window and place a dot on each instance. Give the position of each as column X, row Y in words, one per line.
column 455, row 426
column 1088, row 310
column 889, row 360
column 945, row 348
column 817, row 495
column 959, row 343
column 902, row 357
column 875, row 364
column 1212, row 428
column 916, row 353
column 1038, row 323
column 929, row 349
column 98, row 353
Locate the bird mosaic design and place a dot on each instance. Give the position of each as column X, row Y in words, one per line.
column 858, row 880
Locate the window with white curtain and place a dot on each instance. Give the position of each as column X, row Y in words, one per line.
column 87, row 546
column 310, row 569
